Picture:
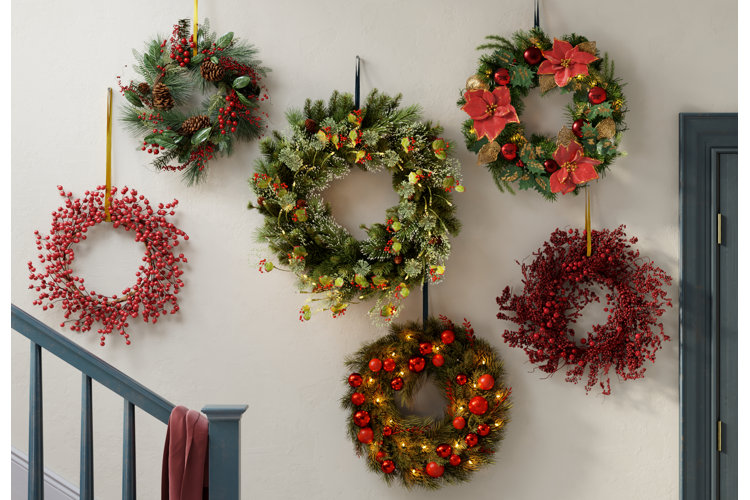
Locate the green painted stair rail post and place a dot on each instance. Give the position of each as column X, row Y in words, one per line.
column 223, row 420
column 224, row 469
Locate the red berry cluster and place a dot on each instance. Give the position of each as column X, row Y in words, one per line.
column 562, row 280
column 180, row 48
column 198, row 156
column 233, row 112
column 421, row 452
column 158, row 281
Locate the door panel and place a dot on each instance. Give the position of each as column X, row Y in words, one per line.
column 726, row 324
column 708, row 305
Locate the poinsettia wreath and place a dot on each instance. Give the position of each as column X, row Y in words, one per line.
column 326, row 142
column 172, row 70
column 421, row 451
column 154, row 293
column 562, row 280
column 493, row 99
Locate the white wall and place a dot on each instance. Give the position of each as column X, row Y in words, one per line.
column 237, row 338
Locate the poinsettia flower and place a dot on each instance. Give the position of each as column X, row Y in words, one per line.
column 574, row 168
column 565, row 62
column 491, row 111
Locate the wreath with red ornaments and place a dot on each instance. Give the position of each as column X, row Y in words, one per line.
column 583, row 149
column 423, row 451
column 154, row 293
column 561, row 281
column 171, row 71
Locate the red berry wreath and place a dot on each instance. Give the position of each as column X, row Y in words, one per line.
column 158, row 278
column 561, row 281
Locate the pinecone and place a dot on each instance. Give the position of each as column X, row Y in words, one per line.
column 162, row 98
column 144, row 89
column 211, row 72
column 194, row 124
column 311, row 125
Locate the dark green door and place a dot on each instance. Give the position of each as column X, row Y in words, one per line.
column 708, row 306
column 725, row 170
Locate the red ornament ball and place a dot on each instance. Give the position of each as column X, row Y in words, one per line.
column 471, row 440
column 509, row 151
column 454, row 460
column 387, row 466
column 597, row 95
column 447, row 337
column 438, row 360
column 461, row 379
column 416, row 364
column 425, row 348
column 375, row 365
column 551, row 166
column 397, row 384
column 380, row 456
column 387, row 430
column 532, row 55
column 486, row 382
column 444, row 450
column 459, row 423
column 358, row 398
column 478, row 405
column 434, row 470
column 355, row 380
column 365, row 435
column 483, row 429
column 389, row 365
column 577, row 127
column 361, row 418
column 502, row 76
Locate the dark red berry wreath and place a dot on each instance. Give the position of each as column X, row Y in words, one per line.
column 421, row 451
column 158, row 280
column 561, row 281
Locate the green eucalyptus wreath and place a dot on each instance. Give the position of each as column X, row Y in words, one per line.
column 584, row 148
column 325, row 143
column 224, row 68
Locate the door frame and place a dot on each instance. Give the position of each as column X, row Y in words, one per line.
column 703, row 136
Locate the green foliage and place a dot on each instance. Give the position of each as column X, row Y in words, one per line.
column 382, row 135
column 500, row 52
column 241, row 82
column 521, row 76
column 412, row 441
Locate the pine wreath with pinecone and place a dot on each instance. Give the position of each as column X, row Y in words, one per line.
column 172, row 70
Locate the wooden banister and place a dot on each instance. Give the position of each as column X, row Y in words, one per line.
column 223, row 420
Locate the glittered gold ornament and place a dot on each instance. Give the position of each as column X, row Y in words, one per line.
column 518, row 139
column 546, row 83
column 474, row 82
column 565, row 136
column 488, row 153
column 606, row 128
column 589, row 47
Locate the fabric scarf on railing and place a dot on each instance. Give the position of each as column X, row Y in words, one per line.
column 184, row 473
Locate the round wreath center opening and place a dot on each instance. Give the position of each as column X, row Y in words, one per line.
column 360, row 199
column 595, row 313
column 545, row 114
column 427, row 401
column 107, row 259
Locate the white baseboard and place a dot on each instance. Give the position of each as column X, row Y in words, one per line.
column 55, row 487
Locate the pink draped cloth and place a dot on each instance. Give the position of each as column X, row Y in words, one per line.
column 184, row 473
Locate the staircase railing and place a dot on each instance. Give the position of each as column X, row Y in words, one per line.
column 223, row 420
